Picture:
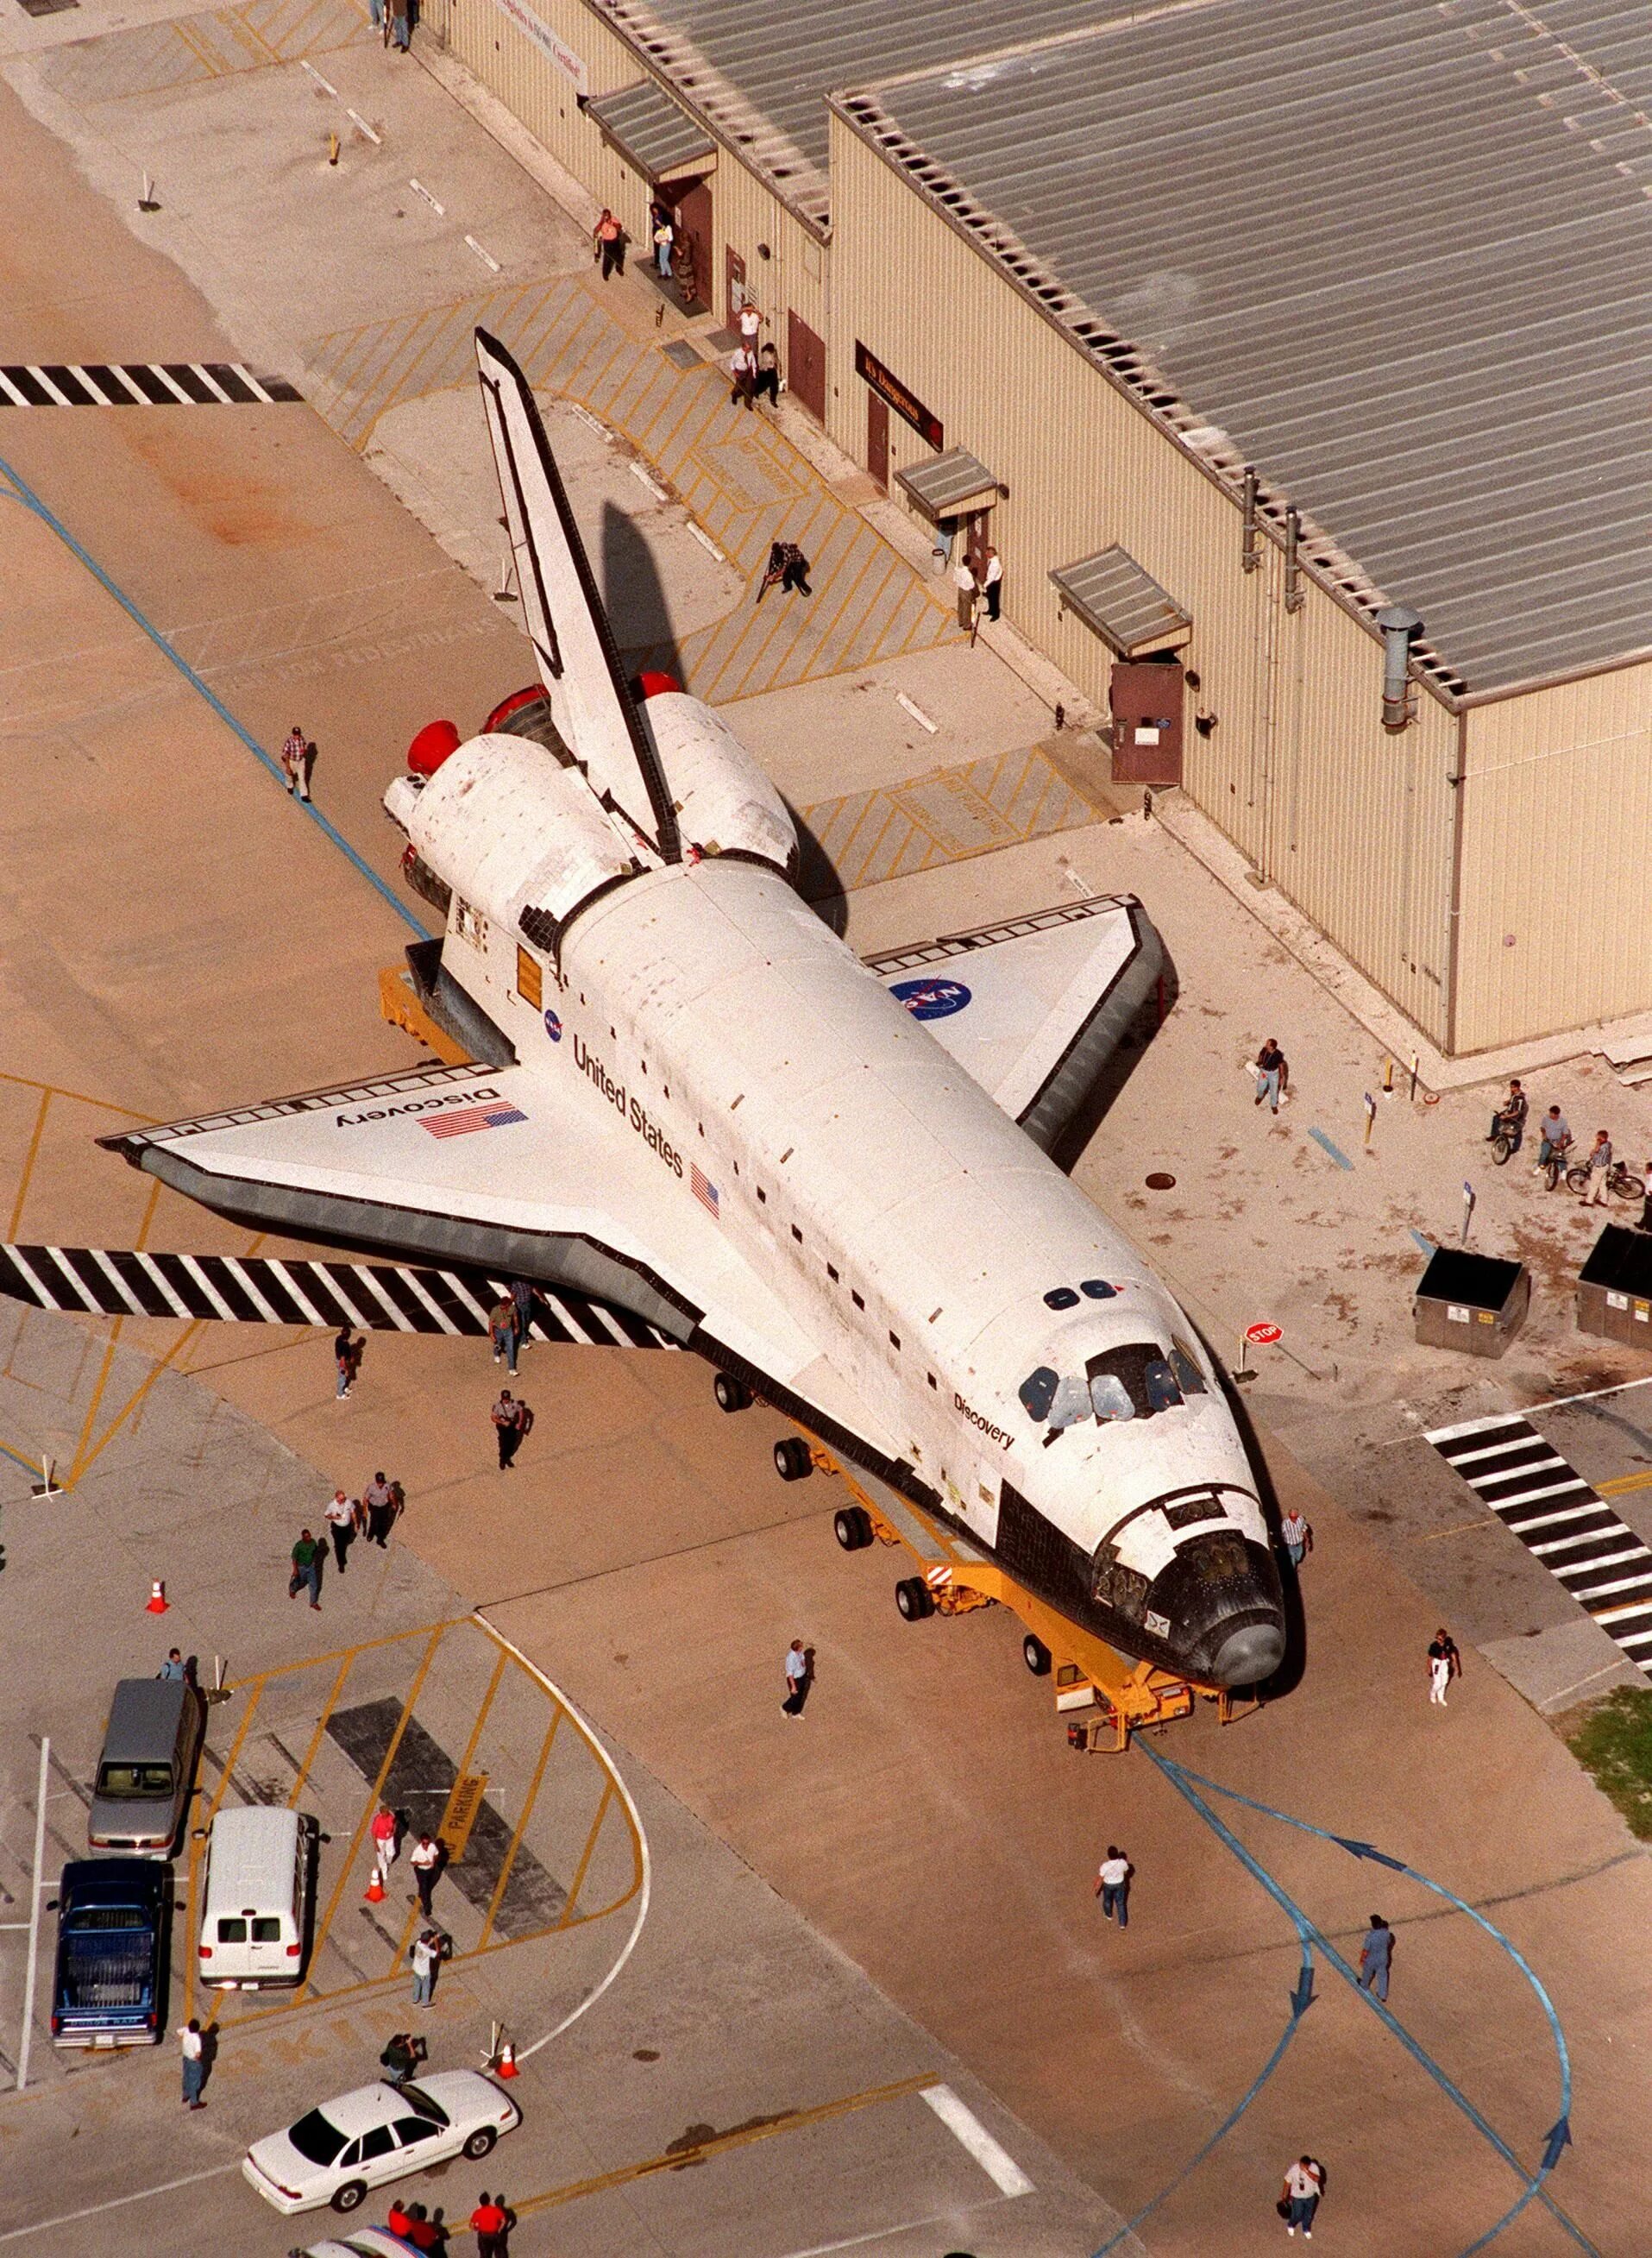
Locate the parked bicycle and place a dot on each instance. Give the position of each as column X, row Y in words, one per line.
column 1622, row 1182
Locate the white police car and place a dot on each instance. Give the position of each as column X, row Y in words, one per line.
column 335, row 2153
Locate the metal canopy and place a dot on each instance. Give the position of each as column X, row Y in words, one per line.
column 948, row 484
column 1122, row 604
column 654, row 135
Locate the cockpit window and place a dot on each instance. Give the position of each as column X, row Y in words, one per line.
column 1037, row 1392
column 1072, row 1403
column 1109, row 1398
column 1189, row 1376
column 1163, row 1394
column 1061, row 1297
column 1098, row 1290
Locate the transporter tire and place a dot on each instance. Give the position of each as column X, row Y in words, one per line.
column 792, row 1462
column 913, row 1600
column 1036, row 1655
column 852, row 1526
column 732, row 1395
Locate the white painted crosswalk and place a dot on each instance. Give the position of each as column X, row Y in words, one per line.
column 1562, row 1520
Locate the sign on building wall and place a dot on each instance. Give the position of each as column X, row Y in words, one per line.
column 871, row 370
column 572, row 65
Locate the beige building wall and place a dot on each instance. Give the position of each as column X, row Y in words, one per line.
column 490, row 41
column 1353, row 825
column 1557, row 815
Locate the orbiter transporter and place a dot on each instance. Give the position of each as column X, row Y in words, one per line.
column 693, row 1103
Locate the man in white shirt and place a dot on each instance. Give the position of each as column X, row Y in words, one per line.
column 427, row 1865
column 343, row 1516
column 969, row 593
column 992, row 582
column 1296, row 1535
column 1304, row 2184
column 194, row 2048
column 800, row 1677
column 1112, row 1885
column 426, row 1956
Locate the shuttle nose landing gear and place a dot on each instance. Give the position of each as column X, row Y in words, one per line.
column 732, row 1395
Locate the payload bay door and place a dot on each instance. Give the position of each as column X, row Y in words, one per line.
column 1146, row 698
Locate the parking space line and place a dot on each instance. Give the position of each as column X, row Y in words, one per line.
column 743, row 2136
column 29, row 1159
column 114, row 2202
column 509, row 1859
column 603, row 1802
column 328, row 1706
column 461, row 1769
column 371, row 1806
column 901, row 2226
column 333, row 1654
column 972, row 2135
column 85, row 1459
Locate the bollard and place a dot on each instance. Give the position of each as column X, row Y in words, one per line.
column 332, row 148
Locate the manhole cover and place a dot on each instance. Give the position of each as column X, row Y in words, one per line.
column 1159, row 1181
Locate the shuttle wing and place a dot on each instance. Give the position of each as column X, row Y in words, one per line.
column 1034, row 1007
column 589, row 701
column 507, row 1174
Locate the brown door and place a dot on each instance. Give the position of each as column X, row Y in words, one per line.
column 805, row 367
column 733, row 284
column 1147, row 700
column 975, row 529
column 691, row 262
column 877, row 438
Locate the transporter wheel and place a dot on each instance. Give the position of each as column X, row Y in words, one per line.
column 351, row 2197
column 1036, row 1655
column 792, row 1462
column 912, row 1598
column 852, row 1526
column 732, row 1395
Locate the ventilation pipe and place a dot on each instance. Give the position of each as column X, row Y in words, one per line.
column 1399, row 624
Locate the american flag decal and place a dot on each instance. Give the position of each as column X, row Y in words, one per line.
column 464, row 1119
column 703, row 1190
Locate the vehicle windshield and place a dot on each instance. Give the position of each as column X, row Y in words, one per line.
column 423, row 2104
column 1134, row 1382
column 125, row 1780
column 317, row 2138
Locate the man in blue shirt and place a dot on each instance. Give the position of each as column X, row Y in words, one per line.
column 1374, row 1956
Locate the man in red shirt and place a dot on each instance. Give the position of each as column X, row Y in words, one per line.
column 490, row 2222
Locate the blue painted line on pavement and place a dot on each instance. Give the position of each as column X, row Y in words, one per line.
column 29, row 1465
column 1425, row 1243
column 23, row 492
column 1320, row 1137
column 1314, row 1939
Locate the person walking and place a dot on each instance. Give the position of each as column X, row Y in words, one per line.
column 607, row 244
column 513, row 1423
column 427, row 1861
column 501, row 1330
column 768, row 384
column 193, row 2045
column 1599, row 1166
column 1296, row 1535
column 969, row 593
column 425, row 1956
column 1509, row 1120
column 383, row 1501
column 343, row 1516
column 401, row 25
column 172, row 1666
column 794, row 577
column 307, row 1555
column 490, row 2223
column 800, row 1677
column 386, row 1842
column 347, row 1358
column 1272, row 1075
column 1375, row 1956
column 296, row 763
column 742, row 369
column 522, row 1300
column 1300, row 2197
column 1112, row 1885
column 992, row 582
column 1445, row 1662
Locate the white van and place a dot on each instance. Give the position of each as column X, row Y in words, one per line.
column 258, row 1888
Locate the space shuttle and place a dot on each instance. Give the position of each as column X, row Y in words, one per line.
column 690, row 1102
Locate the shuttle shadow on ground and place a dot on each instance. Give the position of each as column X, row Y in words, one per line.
column 633, row 595
column 1069, row 1147
column 818, row 880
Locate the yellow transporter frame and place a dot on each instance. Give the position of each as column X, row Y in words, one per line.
column 1121, row 1695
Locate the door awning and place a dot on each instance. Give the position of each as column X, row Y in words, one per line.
column 1125, row 606
column 949, row 485
column 654, row 135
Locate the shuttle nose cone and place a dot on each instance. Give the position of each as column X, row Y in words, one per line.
column 1248, row 1655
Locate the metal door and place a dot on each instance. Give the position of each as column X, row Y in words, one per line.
column 877, row 438
column 733, row 284
column 805, row 367
column 1146, row 698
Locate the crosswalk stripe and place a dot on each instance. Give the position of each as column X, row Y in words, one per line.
column 151, row 383
column 1479, row 1451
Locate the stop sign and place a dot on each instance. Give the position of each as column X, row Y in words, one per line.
column 1264, row 1335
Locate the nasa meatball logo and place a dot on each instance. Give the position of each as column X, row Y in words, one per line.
column 553, row 1026
column 932, row 999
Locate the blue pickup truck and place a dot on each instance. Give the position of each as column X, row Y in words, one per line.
column 113, row 1922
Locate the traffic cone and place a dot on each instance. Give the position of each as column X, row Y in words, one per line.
column 375, row 1890
column 156, row 1599
column 505, row 2066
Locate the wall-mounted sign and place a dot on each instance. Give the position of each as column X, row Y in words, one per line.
column 572, row 65
column 871, row 370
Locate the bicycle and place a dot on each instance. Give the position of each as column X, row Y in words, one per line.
column 1506, row 1139
column 1624, row 1183
column 1552, row 1163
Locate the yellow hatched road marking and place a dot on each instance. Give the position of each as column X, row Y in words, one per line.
column 603, row 1802
column 29, row 1159
column 509, row 1860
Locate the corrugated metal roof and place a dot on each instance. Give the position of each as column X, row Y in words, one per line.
column 1121, row 603
column 761, row 74
column 1398, row 256
column 946, row 483
column 654, row 134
